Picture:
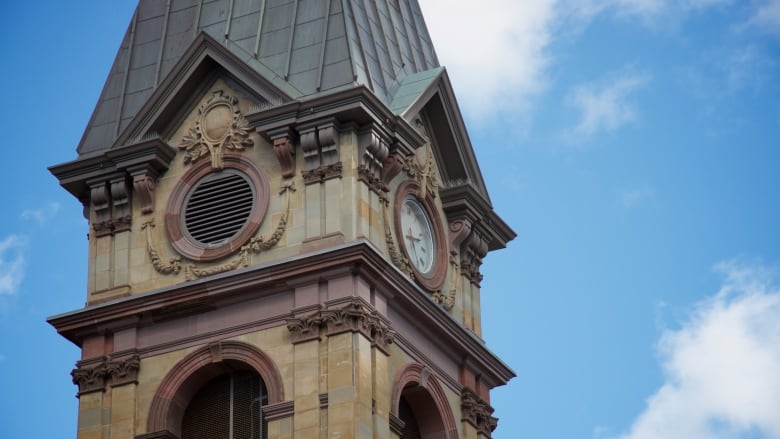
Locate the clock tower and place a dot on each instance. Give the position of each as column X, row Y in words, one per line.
column 286, row 227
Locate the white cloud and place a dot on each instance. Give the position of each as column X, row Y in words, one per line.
column 722, row 367
column 11, row 264
column 767, row 16
column 495, row 52
column 606, row 105
column 42, row 214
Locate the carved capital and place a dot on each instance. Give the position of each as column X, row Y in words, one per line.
column 305, row 328
column 354, row 317
column 478, row 413
column 90, row 376
column 124, row 371
column 322, row 173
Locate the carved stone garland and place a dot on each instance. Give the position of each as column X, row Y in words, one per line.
column 219, row 126
column 255, row 245
column 425, row 174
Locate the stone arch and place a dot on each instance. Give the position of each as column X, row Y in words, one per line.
column 199, row 367
column 423, row 392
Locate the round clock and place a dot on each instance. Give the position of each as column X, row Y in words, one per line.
column 417, row 235
column 420, row 235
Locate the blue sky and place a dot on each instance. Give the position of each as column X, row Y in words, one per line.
column 633, row 145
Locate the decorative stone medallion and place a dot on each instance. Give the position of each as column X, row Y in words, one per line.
column 219, row 126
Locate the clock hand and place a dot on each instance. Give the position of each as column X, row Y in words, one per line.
column 412, row 240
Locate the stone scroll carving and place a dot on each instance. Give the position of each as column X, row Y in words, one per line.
column 219, row 126
column 374, row 152
column 353, row 317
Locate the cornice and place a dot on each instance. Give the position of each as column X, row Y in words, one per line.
column 352, row 105
column 358, row 257
column 463, row 202
column 150, row 153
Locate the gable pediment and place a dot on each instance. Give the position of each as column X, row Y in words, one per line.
column 206, row 61
column 426, row 100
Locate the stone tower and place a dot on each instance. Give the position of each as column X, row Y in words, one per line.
column 286, row 226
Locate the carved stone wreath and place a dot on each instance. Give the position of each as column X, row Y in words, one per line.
column 219, row 126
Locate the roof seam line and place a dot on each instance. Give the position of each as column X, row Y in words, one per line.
column 162, row 43
column 386, row 38
column 324, row 45
column 290, row 42
column 376, row 50
column 259, row 27
column 229, row 19
column 347, row 4
column 127, row 73
column 197, row 18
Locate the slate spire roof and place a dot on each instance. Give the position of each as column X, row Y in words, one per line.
column 303, row 47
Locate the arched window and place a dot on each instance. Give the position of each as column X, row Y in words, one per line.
column 227, row 407
column 411, row 429
column 421, row 405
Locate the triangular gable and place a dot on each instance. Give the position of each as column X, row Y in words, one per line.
column 205, row 59
column 430, row 94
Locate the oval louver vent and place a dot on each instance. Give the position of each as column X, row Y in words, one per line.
column 218, row 207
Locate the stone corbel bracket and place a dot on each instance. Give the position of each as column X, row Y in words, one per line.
column 374, row 151
column 102, row 182
column 478, row 413
column 320, row 146
column 475, row 229
column 284, row 140
column 318, row 122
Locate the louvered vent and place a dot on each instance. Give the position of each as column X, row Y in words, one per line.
column 218, row 207
column 228, row 407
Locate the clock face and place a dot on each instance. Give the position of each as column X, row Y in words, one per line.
column 417, row 235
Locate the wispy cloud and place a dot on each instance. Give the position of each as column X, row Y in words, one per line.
column 41, row 215
column 631, row 198
column 495, row 52
column 11, row 264
column 605, row 105
column 767, row 17
column 722, row 366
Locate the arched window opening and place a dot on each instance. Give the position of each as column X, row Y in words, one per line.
column 230, row 406
column 422, row 418
column 411, row 429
